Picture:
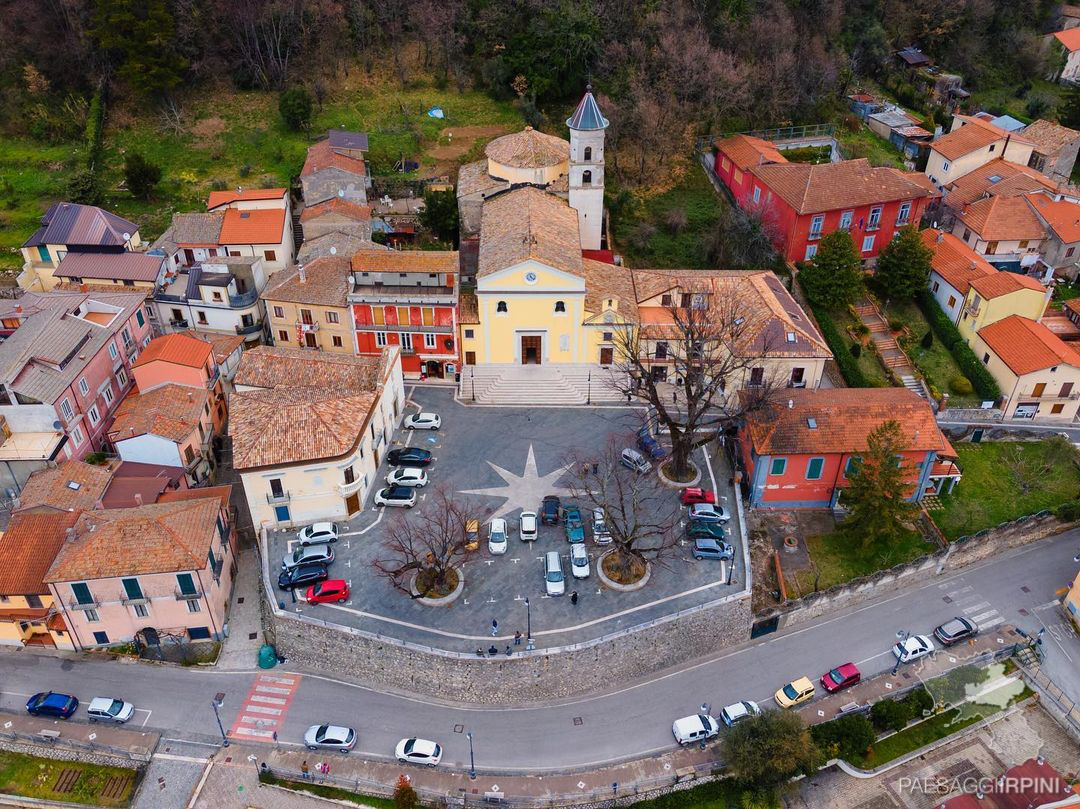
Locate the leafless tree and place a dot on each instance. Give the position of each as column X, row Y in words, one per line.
column 430, row 541
column 1028, row 467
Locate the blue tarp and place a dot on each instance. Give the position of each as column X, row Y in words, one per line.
column 436, row 112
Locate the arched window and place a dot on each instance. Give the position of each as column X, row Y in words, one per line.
column 586, row 178
column 588, row 153
column 500, row 306
column 560, row 306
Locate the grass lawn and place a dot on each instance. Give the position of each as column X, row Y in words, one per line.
column 865, row 143
column 838, row 558
column 994, row 489
column 722, row 794
column 868, row 360
column 33, row 777
column 1005, row 101
column 936, row 363
column 1065, row 292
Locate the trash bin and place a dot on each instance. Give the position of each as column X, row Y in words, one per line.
column 267, row 657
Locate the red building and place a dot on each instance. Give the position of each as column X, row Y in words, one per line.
column 407, row 298
column 803, row 202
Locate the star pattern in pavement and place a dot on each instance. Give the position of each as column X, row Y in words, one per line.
column 523, row 491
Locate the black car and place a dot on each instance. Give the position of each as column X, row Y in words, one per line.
column 409, row 456
column 549, row 510
column 955, row 630
column 302, row 575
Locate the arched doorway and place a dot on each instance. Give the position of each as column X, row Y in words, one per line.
column 434, row 368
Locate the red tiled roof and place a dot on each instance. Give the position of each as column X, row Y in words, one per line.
column 975, row 134
column 996, row 178
column 252, row 227
column 71, row 485
column 225, row 197
column 322, row 156
column 342, row 207
column 179, row 349
column 1004, row 283
column 1070, row 39
column 1026, row 346
column 28, row 547
column 746, row 151
column 223, row 493
column 1003, row 219
column 954, row 261
column 1032, row 784
column 427, row 261
column 170, row 411
column 836, row 186
column 1063, row 216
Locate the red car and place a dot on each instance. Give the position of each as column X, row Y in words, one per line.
column 324, row 592
column 841, row 677
column 696, row 495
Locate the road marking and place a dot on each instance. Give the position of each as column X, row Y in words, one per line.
column 264, row 709
column 173, row 757
column 874, row 657
column 270, row 700
column 192, row 741
column 983, row 616
column 982, row 605
column 1050, row 604
column 273, row 689
column 989, row 624
column 147, row 719
column 259, row 721
column 364, row 530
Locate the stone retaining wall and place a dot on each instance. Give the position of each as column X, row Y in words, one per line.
column 70, row 754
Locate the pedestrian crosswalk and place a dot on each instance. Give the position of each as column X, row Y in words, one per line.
column 972, row 606
column 263, row 712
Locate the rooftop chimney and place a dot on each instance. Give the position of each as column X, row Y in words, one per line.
column 18, row 308
column 940, row 236
column 190, row 396
column 303, row 274
column 69, row 534
column 84, row 287
column 138, row 498
column 790, row 404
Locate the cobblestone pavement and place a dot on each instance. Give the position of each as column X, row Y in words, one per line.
column 240, row 650
column 173, row 775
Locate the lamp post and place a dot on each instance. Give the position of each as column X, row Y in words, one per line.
column 217, row 702
column 588, row 394
column 529, row 645
column 901, row 636
column 472, row 379
column 472, row 759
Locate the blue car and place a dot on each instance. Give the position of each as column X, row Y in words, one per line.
column 50, row 703
column 649, row 445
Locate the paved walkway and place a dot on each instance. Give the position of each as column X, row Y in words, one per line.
column 892, row 356
column 240, row 651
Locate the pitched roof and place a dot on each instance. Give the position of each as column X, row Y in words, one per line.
column 843, row 419
column 70, row 223
column 1026, row 346
column 170, row 411
column 66, row 487
column 429, row 261
column 197, row 229
column 1069, row 38
column 252, row 227
column 336, row 205
column 528, row 223
column 322, row 156
column 1034, row 784
column 121, row 266
column 997, row 178
column 528, row 149
column 468, row 309
column 954, row 261
column 222, row 493
column 134, row 491
column 1003, row 283
column 975, row 134
column 1062, row 216
column 325, row 283
column 923, row 182
column 913, row 56
column 834, row 186
column 474, row 178
column 1003, row 219
column 28, row 546
column 155, row 538
column 1048, row 136
column 587, row 116
column 746, row 151
column 603, row 282
column 218, row 198
column 275, row 366
column 344, row 139
column 223, row 345
column 181, row 348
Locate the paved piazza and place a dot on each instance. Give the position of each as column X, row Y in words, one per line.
column 505, row 460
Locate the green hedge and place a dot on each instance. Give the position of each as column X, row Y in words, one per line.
column 95, row 129
column 985, row 384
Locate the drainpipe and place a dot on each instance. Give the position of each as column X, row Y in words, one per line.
column 210, row 612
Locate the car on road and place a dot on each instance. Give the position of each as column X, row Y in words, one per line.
column 472, row 534
column 841, row 677
column 326, row 592
column 418, row 751
column 527, row 526
column 739, row 711
column 795, row 693
column 422, row 421
column 707, row 512
column 303, row 575
column 601, row 535
column 579, row 561
column 52, row 703
column 323, row 554
column 575, row 528
column 497, row 537
column 549, row 510
column 554, row 579
column 318, row 533
column 400, row 496
column 956, row 630
column 108, row 709
column 412, row 476
column 707, row 548
column 912, row 648
column 330, row 737
column 649, row 445
column 408, row 456
column 709, row 530
column 635, row 461
column 694, row 729
column 693, row 494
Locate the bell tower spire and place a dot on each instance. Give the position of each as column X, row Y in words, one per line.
column 587, row 126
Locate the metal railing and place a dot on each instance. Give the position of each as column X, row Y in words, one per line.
column 73, row 744
column 254, row 327
column 182, row 596
column 283, row 497
column 244, row 298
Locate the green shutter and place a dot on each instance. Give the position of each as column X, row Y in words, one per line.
column 139, row 317
column 814, row 467
column 186, row 583
column 132, row 588
column 778, row 466
column 81, row 593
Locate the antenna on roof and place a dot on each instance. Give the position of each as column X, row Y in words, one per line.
column 126, row 235
column 341, row 192
column 333, row 251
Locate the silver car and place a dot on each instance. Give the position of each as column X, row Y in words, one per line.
column 107, row 709
column 308, row 553
column 330, row 737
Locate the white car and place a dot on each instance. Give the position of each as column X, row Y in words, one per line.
column 108, row 709
column 330, row 737
column 579, row 560
column 913, row 648
column 418, row 751
column 739, row 711
column 423, row 421
column 527, row 526
column 497, row 537
column 600, row 533
column 706, row 512
column 554, row 579
column 400, row 496
column 317, row 534
column 412, row 476
column 694, row 729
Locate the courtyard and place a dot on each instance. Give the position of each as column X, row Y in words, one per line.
column 500, row 461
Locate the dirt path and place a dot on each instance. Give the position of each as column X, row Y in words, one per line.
column 461, row 139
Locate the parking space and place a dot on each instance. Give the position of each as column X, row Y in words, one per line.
column 504, row 460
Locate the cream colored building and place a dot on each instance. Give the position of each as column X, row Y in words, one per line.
column 1004, row 230
column 991, row 298
column 309, row 430
column 971, row 143
column 308, row 308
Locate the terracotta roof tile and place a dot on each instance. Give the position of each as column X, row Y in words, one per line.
column 322, row 156
column 922, row 181
column 71, row 485
column 474, row 178
column 468, row 309
column 223, row 345
column 197, row 229
column 1003, row 283
column 274, row 366
column 223, row 493
column 954, row 261
column 975, row 134
column 1070, row 39
column 340, row 207
column 326, row 283
column 1073, row 305
column 605, row 281
column 844, row 419
column 28, row 547
column 342, row 244
column 1003, row 219
column 1062, row 216
column 528, row 149
column 528, row 223
column 1026, row 346
column 834, row 186
column 745, row 151
column 1048, row 137
column 179, row 349
column 170, row 411
column 252, row 227
column 218, row 198
column 429, row 261
column 996, row 178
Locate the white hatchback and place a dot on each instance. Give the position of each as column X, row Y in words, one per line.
column 527, row 526
column 497, row 537
column 423, row 421
column 107, row 709
column 418, row 751
column 317, row 533
column 913, row 648
column 579, row 560
column 412, row 476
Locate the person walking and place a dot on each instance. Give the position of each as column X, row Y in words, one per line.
column 517, row 638
column 305, row 771
column 573, row 598
column 494, row 627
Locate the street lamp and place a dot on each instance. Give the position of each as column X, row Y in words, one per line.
column 217, row 702
column 472, row 378
column 472, row 759
column 588, row 394
column 901, row 636
column 529, row 645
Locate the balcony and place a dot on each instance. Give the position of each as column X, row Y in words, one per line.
column 178, row 323
column 903, row 221
column 244, row 298
column 281, row 497
column 345, row 489
column 872, row 225
column 1048, row 396
column 212, row 380
column 84, row 605
column 257, row 326
column 182, row 596
column 307, row 327
column 127, row 601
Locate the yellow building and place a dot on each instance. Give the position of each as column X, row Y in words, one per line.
column 991, row 298
column 1071, row 602
column 307, row 306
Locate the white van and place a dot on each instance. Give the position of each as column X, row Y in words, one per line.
column 632, row 459
column 554, row 578
column 694, row 729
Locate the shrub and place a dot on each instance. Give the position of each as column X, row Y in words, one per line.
column 296, row 108
column 405, row 796
column 245, row 170
column 919, row 701
column 848, row 737
column 961, row 385
column 141, row 175
column 856, row 350
column 850, row 369
column 85, row 187
column 928, row 339
column 217, row 185
column 95, row 128
column 862, row 328
column 1068, row 512
column 890, row 714
column 676, row 221
column 896, row 324
column 981, row 380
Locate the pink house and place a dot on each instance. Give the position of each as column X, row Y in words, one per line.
column 183, row 359
column 167, row 566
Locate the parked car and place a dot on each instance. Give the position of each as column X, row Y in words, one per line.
column 323, row 554
column 423, row 421
column 472, row 534
column 600, row 533
column 709, row 530
column 694, row 494
column 706, row 512
column 418, row 751
column 575, row 528
column 956, row 630
column 549, row 510
column 795, row 693
column 841, row 677
column 408, row 456
column 412, row 476
column 650, row 446
column 554, row 580
column 739, row 711
column 400, row 496
column 52, row 703
column 913, row 648
column 707, row 548
column 303, row 575
column 635, row 461
column 318, row 533
column 497, row 537
column 325, row 592
column 579, row 561
column 108, row 709
column 330, row 737
column 527, row 526
column 694, row 729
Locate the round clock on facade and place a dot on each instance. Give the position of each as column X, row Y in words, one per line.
column 530, row 278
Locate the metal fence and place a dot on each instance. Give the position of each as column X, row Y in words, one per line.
column 75, row 745
column 1068, row 711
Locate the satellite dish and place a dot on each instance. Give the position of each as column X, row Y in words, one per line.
column 56, row 425
column 126, row 236
column 333, row 251
column 341, row 192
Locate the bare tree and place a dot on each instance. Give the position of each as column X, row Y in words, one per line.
column 424, row 550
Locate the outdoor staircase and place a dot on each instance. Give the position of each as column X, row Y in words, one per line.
column 892, row 356
column 532, row 385
column 297, row 231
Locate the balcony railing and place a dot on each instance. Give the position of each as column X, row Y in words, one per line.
column 128, row 601
column 212, row 380
column 306, row 327
column 84, row 605
column 182, row 596
column 283, row 497
column 254, row 327
column 244, row 298
column 345, row 489
column 178, row 323
column 1046, row 395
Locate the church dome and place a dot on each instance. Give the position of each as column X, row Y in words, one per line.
column 528, row 149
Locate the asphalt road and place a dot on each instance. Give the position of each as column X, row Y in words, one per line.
column 628, row 722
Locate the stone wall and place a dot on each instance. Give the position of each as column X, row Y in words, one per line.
column 70, row 754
